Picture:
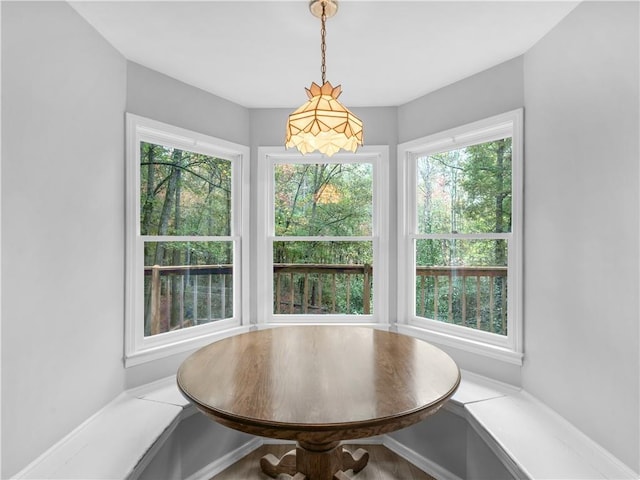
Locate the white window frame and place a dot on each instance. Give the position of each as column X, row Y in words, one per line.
column 138, row 348
column 506, row 348
column 378, row 156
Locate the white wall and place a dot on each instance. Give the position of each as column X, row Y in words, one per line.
column 581, row 223
column 63, row 97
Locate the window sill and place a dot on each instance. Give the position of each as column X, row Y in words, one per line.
column 490, row 351
column 180, row 346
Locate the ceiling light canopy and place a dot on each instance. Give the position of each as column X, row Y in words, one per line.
column 323, row 123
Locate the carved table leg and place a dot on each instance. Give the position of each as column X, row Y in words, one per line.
column 341, row 476
column 309, row 461
column 356, row 460
column 274, row 467
column 319, row 461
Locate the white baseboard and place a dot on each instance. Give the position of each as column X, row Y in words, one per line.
column 214, row 468
column 418, row 460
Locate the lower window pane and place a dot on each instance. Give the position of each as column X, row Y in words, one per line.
column 463, row 282
column 316, row 277
column 186, row 284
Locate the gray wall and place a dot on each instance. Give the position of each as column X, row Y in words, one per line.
column 441, row 438
column 64, row 94
column 491, row 92
column 159, row 97
column 268, row 130
column 195, row 444
column 63, row 97
column 581, row 230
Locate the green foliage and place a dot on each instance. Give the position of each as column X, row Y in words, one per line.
column 467, row 190
column 323, row 199
column 184, row 193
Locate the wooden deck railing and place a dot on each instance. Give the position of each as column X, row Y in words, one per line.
column 474, row 296
column 181, row 296
column 303, row 288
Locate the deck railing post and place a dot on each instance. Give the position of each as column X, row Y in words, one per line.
column 366, row 293
column 155, row 299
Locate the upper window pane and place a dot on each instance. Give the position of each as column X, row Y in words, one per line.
column 467, row 190
column 183, row 192
column 323, row 199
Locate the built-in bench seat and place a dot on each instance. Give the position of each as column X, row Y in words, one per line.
column 529, row 439
column 117, row 442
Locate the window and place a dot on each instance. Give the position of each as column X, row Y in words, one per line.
column 460, row 255
column 323, row 254
column 185, row 222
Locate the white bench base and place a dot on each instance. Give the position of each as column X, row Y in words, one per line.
column 529, row 440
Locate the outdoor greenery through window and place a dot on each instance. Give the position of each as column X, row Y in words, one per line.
column 185, row 200
column 460, row 279
column 323, row 250
column 186, row 213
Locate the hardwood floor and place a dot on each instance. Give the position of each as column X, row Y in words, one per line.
column 383, row 465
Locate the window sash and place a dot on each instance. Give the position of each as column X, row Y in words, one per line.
column 509, row 347
column 270, row 156
column 138, row 348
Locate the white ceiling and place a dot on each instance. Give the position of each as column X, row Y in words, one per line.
column 263, row 54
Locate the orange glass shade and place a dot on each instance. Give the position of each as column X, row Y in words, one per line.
column 323, row 123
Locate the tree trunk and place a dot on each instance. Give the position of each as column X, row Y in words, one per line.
column 147, row 208
column 177, row 286
column 500, row 253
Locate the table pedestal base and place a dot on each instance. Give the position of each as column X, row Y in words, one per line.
column 310, row 461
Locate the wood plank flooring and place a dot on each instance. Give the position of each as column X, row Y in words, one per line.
column 383, row 465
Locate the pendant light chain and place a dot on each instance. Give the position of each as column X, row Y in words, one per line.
column 322, row 123
column 323, row 34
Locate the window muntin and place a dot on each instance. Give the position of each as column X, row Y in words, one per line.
column 460, row 255
column 184, row 226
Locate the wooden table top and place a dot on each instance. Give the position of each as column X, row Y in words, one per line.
column 318, row 383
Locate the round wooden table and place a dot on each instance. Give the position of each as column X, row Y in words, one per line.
column 318, row 385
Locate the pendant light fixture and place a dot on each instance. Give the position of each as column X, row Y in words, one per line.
column 323, row 123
